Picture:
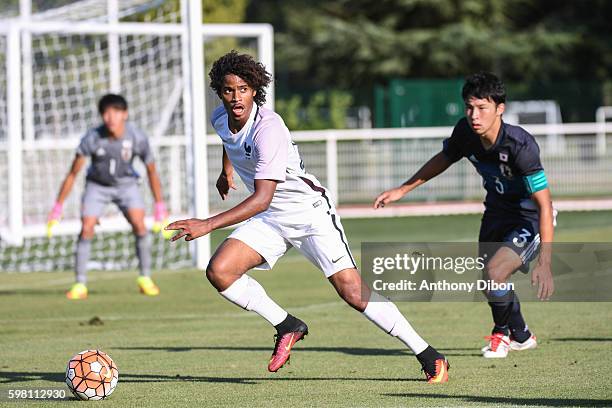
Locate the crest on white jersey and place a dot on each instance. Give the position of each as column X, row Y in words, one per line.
column 126, row 150
column 247, row 150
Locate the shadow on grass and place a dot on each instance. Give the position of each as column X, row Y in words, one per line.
column 17, row 377
column 513, row 401
column 24, row 377
column 602, row 339
column 352, row 351
column 19, row 292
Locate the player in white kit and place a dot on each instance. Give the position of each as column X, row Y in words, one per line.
column 287, row 208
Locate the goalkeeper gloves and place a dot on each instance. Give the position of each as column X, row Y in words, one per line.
column 160, row 216
column 54, row 218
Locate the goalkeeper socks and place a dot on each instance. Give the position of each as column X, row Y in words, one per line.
column 143, row 251
column 501, row 302
column 387, row 316
column 518, row 328
column 247, row 293
column 83, row 250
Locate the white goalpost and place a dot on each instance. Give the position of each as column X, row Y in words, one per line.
column 54, row 66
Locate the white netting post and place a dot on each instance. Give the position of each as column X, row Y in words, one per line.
column 14, row 151
column 187, row 104
column 264, row 41
column 198, row 129
column 114, row 52
column 601, row 116
column 25, row 13
column 4, row 216
column 331, row 164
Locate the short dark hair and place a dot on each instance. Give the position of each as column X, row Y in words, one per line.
column 484, row 85
column 243, row 65
column 112, row 100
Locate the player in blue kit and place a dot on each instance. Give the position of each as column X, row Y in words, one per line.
column 112, row 147
column 518, row 208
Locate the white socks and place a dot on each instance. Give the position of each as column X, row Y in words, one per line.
column 385, row 315
column 247, row 293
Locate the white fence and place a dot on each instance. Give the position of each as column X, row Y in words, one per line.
column 354, row 164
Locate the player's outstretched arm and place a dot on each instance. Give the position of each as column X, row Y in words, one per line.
column 257, row 202
column 56, row 212
column 431, row 169
column 226, row 178
column 154, row 182
column 542, row 273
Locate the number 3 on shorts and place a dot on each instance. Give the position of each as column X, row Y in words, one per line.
column 522, row 238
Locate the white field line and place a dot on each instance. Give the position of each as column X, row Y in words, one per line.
column 453, row 208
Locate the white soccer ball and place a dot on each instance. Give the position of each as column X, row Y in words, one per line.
column 92, row 375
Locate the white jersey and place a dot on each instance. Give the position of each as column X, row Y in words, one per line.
column 263, row 149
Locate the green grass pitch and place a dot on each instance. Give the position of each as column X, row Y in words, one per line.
column 190, row 347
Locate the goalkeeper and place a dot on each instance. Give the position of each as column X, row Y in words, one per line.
column 111, row 178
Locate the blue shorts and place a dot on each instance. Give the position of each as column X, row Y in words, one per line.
column 97, row 196
column 522, row 235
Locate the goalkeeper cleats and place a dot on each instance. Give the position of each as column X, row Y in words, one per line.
column 147, row 286
column 77, row 291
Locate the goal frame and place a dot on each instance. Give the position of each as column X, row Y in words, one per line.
column 192, row 32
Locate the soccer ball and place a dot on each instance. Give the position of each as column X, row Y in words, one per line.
column 92, row 375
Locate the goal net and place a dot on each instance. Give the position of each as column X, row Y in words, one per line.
column 69, row 54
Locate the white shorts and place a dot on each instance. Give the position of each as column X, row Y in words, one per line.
column 316, row 233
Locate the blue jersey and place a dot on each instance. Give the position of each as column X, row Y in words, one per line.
column 510, row 169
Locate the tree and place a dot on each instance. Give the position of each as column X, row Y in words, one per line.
column 358, row 43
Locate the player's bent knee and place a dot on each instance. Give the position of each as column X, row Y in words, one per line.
column 211, row 273
column 139, row 230
column 87, row 232
column 220, row 274
column 349, row 286
column 497, row 275
column 87, row 235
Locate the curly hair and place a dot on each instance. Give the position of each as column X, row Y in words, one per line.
column 243, row 65
column 484, row 85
